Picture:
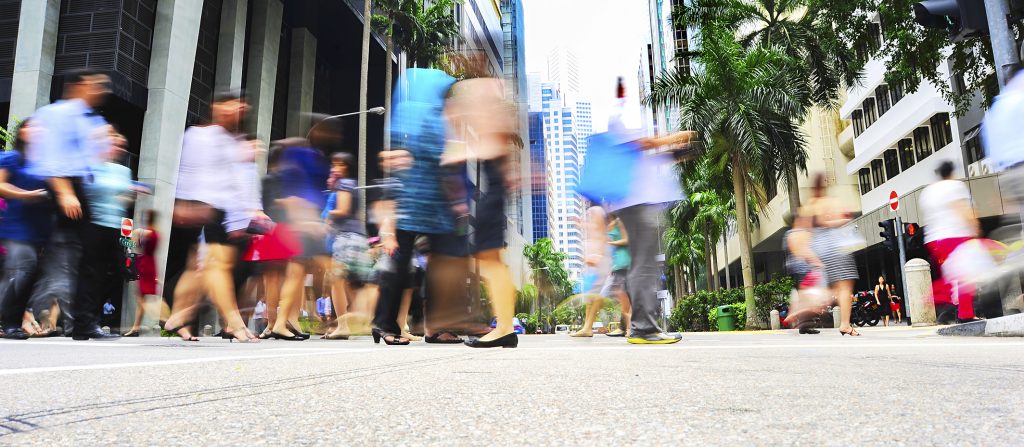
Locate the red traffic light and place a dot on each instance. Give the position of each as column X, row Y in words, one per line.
column 912, row 229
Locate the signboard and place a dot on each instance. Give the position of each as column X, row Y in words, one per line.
column 894, row 201
column 126, row 227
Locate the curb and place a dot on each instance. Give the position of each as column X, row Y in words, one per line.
column 1008, row 326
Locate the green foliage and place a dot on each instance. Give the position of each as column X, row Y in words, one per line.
column 526, row 299
column 9, row 134
column 529, row 321
column 696, row 313
column 738, row 309
column 549, row 271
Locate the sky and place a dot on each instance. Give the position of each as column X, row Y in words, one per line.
column 607, row 37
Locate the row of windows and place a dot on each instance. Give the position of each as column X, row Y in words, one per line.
column 917, row 146
column 885, row 96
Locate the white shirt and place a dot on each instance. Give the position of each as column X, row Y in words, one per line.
column 207, row 171
column 1004, row 146
column 260, row 311
column 940, row 219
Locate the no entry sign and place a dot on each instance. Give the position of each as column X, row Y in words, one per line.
column 894, row 200
column 126, row 227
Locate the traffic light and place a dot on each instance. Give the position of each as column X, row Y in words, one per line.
column 961, row 18
column 913, row 236
column 888, row 234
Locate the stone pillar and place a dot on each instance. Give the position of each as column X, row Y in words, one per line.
column 264, row 43
column 231, row 44
column 301, row 78
column 170, row 80
column 34, row 54
column 920, row 302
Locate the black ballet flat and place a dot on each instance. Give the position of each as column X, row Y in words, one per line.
column 277, row 336
column 507, row 341
column 297, row 332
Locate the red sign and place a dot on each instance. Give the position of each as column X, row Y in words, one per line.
column 894, row 200
column 126, row 227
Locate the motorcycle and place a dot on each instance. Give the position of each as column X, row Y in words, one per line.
column 865, row 310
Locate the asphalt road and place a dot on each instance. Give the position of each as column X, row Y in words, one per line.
column 895, row 386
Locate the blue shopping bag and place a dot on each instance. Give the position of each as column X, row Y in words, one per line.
column 609, row 169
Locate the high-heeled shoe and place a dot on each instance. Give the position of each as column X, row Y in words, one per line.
column 852, row 332
column 396, row 340
column 505, row 341
column 297, row 332
column 183, row 338
column 279, row 336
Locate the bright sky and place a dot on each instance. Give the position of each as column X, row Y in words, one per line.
column 607, row 37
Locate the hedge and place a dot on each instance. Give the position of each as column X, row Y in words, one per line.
column 693, row 313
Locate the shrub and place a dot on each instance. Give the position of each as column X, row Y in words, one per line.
column 694, row 312
column 740, row 309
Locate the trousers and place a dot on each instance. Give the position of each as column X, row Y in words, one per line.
column 19, row 276
column 644, row 277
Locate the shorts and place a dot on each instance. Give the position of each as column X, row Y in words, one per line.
column 895, row 307
column 615, row 283
column 351, row 258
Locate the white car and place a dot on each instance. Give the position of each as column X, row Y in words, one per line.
column 561, row 329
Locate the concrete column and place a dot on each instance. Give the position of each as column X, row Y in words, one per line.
column 301, row 78
column 261, row 77
column 33, row 58
column 231, row 44
column 170, row 79
column 919, row 300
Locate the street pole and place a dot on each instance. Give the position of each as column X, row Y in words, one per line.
column 1004, row 47
column 363, row 91
column 903, row 263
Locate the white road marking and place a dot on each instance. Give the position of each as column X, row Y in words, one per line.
column 80, row 344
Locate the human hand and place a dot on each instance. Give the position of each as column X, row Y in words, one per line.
column 37, row 195
column 70, row 206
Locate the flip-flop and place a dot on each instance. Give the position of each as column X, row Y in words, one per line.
column 436, row 339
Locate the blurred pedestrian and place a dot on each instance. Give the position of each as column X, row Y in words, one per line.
column 351, row 266
column 615, row 285
column 24, row 229
column 884, row 300
column 949, row 224
column 596, row 268
column 146, row 239
column 72, row 142
column 208, row 187
column 824, row 217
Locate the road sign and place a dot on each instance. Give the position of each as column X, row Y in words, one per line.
column 126, row 227
column 894, row 200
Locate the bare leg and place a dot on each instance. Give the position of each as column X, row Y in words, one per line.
column 186, row 295
column 221, row 287
column 339, row 299
column 588, row 321
column 140, row 310
column 291, row 297
column 272, row 282
column 502, row 293
column 627, row 310
column 843, row 290
column 403, row 316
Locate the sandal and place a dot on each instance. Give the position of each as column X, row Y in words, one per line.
column 444, row 338
column 131, row 333
column 852, row 332
column 177, row 331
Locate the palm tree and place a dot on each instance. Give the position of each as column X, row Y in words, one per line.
column 740, row 101
column 803, row 30
column 397, row 22
column 437, row 29
column 548, row 266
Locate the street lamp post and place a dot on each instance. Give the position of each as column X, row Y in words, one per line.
column 362, row 154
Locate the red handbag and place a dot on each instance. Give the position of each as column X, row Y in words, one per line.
column 280, row 244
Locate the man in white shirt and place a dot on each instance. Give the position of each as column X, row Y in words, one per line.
column 949, row 221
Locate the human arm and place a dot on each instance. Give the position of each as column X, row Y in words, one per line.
column 623, row 235
column 9, row 191
column 963, row 208
column 66, row 198
column 342, row 206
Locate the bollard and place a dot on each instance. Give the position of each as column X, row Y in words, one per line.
column 105, row 329
column 774, row 319
column 207, row 331
column 835, row 317
column 919, row 300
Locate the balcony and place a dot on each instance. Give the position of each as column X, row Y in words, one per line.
column 911, row 112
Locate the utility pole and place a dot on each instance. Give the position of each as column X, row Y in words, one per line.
column 1004, row 47
column 903, row 263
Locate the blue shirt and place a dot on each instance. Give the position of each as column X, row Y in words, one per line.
column 108, row 194
column 26, row 222
column 1004, row 146
column 71, row 140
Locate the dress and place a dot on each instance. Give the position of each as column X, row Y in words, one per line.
column 885, row 308
column 147, row 264
column 826, row 243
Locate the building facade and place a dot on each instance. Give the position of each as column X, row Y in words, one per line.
column 564, row 163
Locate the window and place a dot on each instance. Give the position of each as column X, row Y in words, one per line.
column 973, row 148
column 870, row 112
column 892, row 164
column 906, row 151
column 877, row 172
column 942, row 134
column 875, row 32
column 896, row 92
column 922, row 144
column 883, row 100
column 865, row 180
column 858, row 122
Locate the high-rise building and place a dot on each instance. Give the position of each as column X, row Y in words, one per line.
column 564, row 70
column 563, row 161
column 538, row 166
column 533, row 90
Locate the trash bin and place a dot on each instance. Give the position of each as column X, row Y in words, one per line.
column 726, row 319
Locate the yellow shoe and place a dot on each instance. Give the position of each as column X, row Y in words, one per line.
column 659, row 338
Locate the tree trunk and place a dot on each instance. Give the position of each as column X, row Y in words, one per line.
column 364, row 76
column 693, row 278
column 725, row 246
column 793, row 187
column 388, row 79
column 714, row 264
column 746, row 255
column 707, row 259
